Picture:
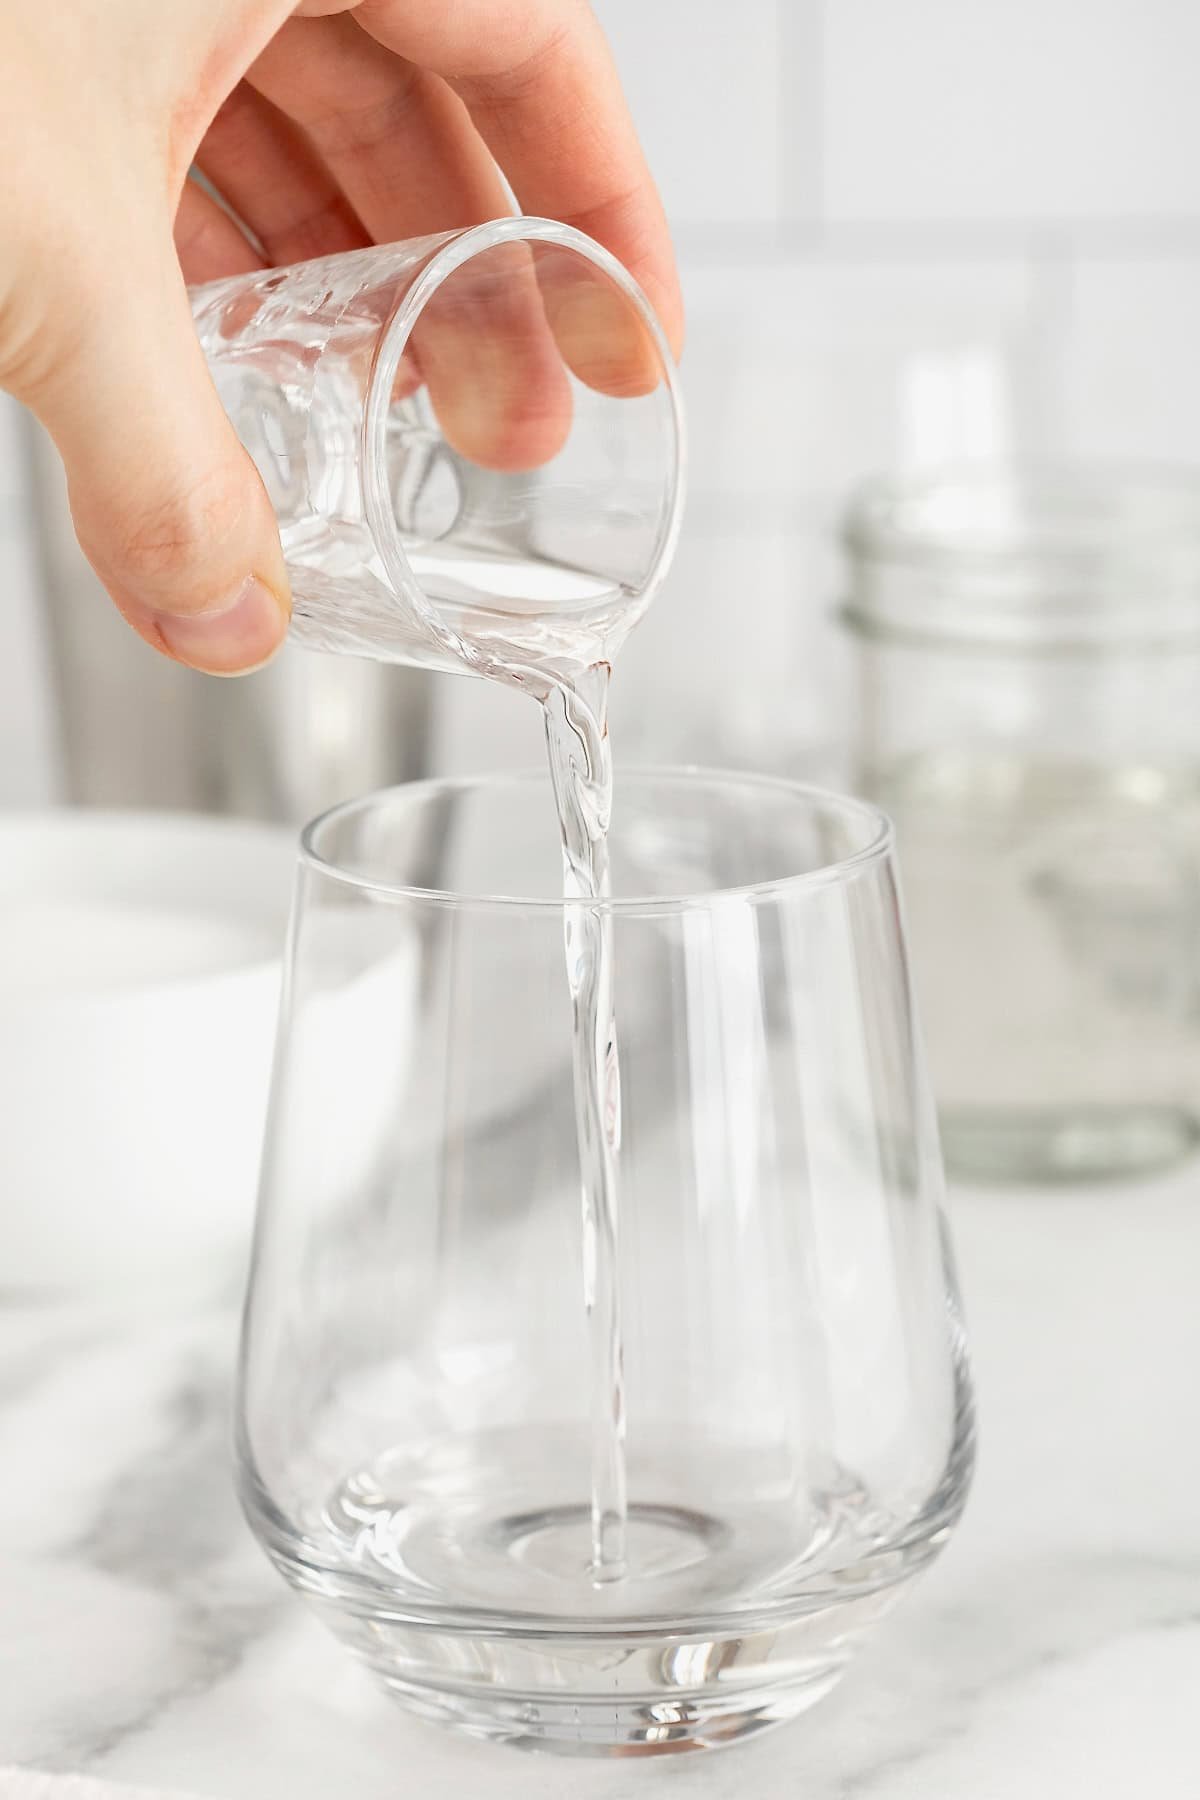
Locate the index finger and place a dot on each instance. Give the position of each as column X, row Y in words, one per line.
column 540, row 84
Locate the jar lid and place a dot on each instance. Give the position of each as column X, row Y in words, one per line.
column 1028, row 555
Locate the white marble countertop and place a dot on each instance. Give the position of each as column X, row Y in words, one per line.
column 1053, row 1652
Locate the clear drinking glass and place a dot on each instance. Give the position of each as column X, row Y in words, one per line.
column 1028, row 646
column 473, row 442
column 424, row 1401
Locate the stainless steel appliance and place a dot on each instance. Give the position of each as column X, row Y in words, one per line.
column 137, row 730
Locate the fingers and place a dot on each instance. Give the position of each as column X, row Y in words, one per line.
column 495, row 375
column 567, row 144
column 167, row 505
column 600, row 334
column 383, row 122
column 399, row 143
column 207, row 241
column 409, row 160
column 544, row 95
column 268, row 171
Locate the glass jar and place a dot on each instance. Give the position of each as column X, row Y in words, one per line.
column 1028, row 651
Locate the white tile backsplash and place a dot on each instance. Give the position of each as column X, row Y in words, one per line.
column 1010, row 110
column 801, row 376
column 733, row 663
column 479, row 726
column 1130, row 364
column 705, row 82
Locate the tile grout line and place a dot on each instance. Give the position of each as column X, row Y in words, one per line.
column 800, row 145
column 713, row 241
column 1054, row 270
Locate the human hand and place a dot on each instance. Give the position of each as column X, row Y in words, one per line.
column 325, row 127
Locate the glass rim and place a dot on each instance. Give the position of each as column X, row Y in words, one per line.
column 876, row 849
column 453, row 251
column 1027, row 555
column 873, row 527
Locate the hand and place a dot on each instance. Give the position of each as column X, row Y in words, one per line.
column 325, row 128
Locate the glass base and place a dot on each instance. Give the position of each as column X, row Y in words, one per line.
column 662, row 1722
column 463, row 1576
column 1065, row 1144
column 632, row 1687
column 643, row 1691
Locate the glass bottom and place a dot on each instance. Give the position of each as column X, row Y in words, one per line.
column 639, row 1691
column 1065, row 1144
column 491, row 1522
column 462, row 1575
column 658, row 1540
column 742, row 1694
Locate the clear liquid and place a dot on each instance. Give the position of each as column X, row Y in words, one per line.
column 493, row 1519
column 508, row 607
column 733, row 1614
column 509, row 616
column 517, row 616
column 576, row 717
column 1054, row 915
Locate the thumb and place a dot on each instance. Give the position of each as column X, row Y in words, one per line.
column 168, row 507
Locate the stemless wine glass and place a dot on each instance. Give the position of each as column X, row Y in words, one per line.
column 416, row 1395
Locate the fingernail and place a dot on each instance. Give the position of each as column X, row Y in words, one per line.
column 604, row 340
column 233, row 639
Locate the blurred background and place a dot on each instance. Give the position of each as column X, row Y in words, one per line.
column 908, row 234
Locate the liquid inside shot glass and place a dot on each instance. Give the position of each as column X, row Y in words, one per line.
column 417, row 1405
column 472, row 442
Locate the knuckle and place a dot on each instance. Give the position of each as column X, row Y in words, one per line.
column 522, row 43
column 361, row 129
column 199, row 238
column 237, row 116
column 161, row 543
column 327, row 227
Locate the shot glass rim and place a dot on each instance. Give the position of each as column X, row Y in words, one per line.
column 876, row 849
column 453, row 251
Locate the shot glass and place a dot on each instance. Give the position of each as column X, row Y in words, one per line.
column 473, row 443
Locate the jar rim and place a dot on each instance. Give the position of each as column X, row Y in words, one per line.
column 449, row 253
column 1028, row 553
column 989, row 512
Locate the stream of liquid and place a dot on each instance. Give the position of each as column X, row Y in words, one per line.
column 576, row 716
column 514, row 616
column 510, row 1505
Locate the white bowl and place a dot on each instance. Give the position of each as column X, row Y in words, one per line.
column 139, row 983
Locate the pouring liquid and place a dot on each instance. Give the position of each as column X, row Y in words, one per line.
column 581, row 777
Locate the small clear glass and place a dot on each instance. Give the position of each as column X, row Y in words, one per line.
column 416, row 1406
column 473, row 443
column 1028, row 646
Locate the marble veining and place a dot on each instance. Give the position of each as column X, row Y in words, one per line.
column 1054, row 1651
